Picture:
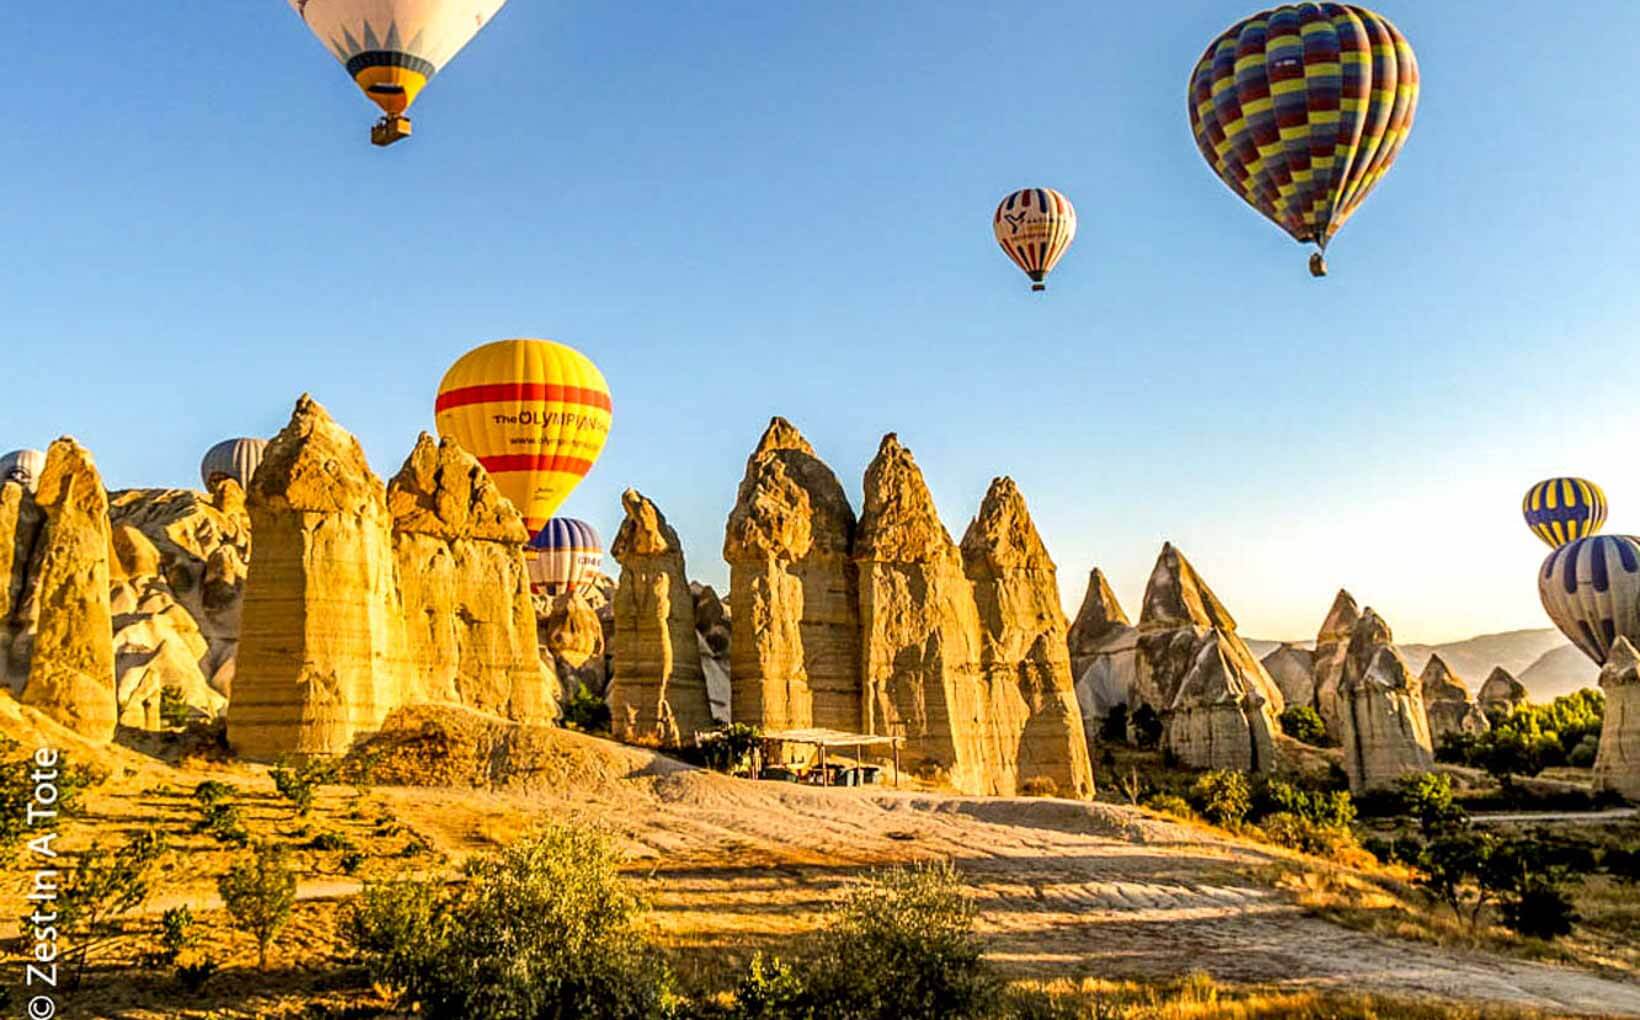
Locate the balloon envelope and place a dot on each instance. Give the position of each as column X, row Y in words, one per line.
column 232, row 458
column 568, row 554
column 1563, row 510
column 1591, row 589
column 535, row 413
column 1302, row 109
column 392, row 48
column 1035, row 227
column 23, row 467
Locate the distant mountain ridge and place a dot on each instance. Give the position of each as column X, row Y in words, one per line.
column 1543, row 660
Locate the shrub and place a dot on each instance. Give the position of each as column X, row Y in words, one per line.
column 192, row 976
column 175, row 935
column 546, row 927
column 1303, row 723
column 330, row 841
column 212, row 792
column 173, row 708
column 1541, row 911
column 1040, row 786
column 1223, row 796
column 1306, row 835
column 259, row 893
column 1326, row 808
column 586, row 712
column 300, row 783
column 771, row 989
column 1169, row 804
column 903, row 947
column 1427, row 797
column 17, row 790
column 222, row 821
column 1583, row 755
column 351, row 862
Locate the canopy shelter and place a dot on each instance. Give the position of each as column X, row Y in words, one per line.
column 824, row 740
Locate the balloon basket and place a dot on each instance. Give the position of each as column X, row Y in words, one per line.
column 389, row 130
column 1037, row 288
column 1318, row 266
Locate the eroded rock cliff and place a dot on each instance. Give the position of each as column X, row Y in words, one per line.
column 1448, row 703
column 1383, row 724
column 1104, row 654
column 1332, row 645
column 1618, row 765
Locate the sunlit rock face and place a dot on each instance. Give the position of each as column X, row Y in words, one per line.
column 658, row 693
column 1448, row 703
column 1293, row 670
column 1331, row 647
column 794, row 657
column 321, row 650
column 1024, row 654
column 1104, row 654
column 1501, row 692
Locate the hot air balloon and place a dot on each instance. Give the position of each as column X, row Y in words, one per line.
column 1563, row 510
column 1035, row 228
column 1591, row 589
column 23, row 467
column 392, row 48
column 535, row 413
column 232, row 458
column 568, row 554
column 1302, row 109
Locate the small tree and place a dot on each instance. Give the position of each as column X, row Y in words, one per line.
column 731, row 750
column 587, row 712
column 299, row 783
column 1303, row 723
column 259, row 893
column 102, row 888
column 1453, row 868
column 173, row 708
column 1427, row 797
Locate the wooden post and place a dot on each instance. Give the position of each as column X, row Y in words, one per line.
column 825, row 774
column 896, row 744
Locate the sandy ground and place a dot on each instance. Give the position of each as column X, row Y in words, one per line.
column 1066, row 889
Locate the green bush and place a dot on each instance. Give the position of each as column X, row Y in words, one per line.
column 1531, row 738
column 1427, row 797
column 222, row 821
column 1306, row 835
column 330, row 841
column 351, row 862
column 1583, row 755
column 1169, row 804
column 212, row 792
column 544, row 928
column 731, row 750
column 1223, row 796
column 175, row 935
column 1303, row 723
column 903, row 947
column 299, row 783
column 586, row 712
column 173, row 708
column 771, row 989
column 259, row 893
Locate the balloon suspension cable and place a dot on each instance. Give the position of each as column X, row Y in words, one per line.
column 1318, row 265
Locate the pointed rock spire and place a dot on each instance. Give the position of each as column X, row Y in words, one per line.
column 1617, row 766
column 1178, row 597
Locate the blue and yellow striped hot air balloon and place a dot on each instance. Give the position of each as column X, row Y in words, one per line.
column 567, row 555
column 1302, row 109
column 1563, row 510
column 393, row 48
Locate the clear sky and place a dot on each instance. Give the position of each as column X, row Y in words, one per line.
column 741, row 209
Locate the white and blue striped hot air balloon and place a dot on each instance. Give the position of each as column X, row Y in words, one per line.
column 232, row 458
column 1591, row 589
column 23, row 467
column 566, row 555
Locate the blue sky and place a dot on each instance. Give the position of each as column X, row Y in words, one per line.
column 741, row 209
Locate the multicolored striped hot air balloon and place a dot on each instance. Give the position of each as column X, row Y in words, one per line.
column 392, row 48
column 567, row 554
column 1035, row 227
column 1302, row 109
column 23, row 467
column 535, row 413
column 1563, row 510
column 1591, row 589
column 232, row 458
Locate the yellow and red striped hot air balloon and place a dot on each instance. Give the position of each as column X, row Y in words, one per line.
column 1035, row 227
column 1302, row 109
column 392, row 48
column 535, row 413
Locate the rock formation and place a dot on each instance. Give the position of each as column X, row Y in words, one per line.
column 713, row 628
column 20, row 521
column 71, row 663
column 1103, row 649
column 321, row 649
column 920, row 631
column 469, row 624
column 1617, row 767
column 658, row 693
column 1024, row 653
column 1447, row 700
column 571, row 637
column 795, row 655
column 1383, row 725
column 1501, row 692
column 1331, row 647
column 1293, row 670
column 1218, row 706
column 177, row 568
